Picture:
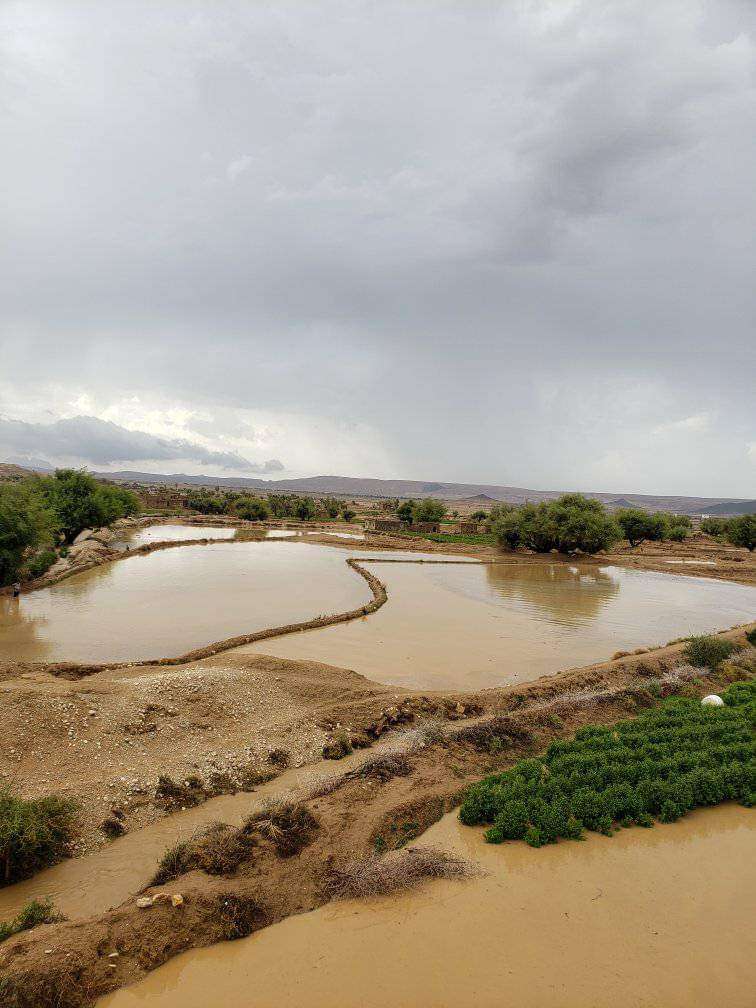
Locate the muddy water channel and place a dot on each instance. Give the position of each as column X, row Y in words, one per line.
column 447, row 625
column 646, row 918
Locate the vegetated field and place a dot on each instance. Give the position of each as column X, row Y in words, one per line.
column 479, row 539
column 674, row 758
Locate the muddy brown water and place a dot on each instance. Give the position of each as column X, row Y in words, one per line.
column 648, row 918
column 459, row 625
column 472, row 626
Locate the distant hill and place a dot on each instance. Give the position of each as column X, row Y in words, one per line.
column 11, row 472
column 486, row 494
column 731, row 508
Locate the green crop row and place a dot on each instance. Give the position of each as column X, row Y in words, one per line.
column 679, row 756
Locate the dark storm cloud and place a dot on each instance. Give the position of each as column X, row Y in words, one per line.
column 515, row 240
column 103, row 443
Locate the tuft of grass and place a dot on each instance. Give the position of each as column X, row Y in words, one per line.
column 669, row 760
column 33, row 834
column 708, row 652
column 30, row 916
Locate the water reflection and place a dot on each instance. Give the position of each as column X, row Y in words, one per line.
column 567, row 595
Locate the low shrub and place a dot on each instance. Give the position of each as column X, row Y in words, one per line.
column 708, row 652
column 33, row 834
column 673, row 758
column 30, row 916
column 40, row 563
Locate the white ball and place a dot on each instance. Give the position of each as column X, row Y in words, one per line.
column 713, row 700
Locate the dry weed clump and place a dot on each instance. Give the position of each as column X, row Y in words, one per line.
column 238, row 916
column 289, row 826
column 382, row 876
column 217, row 849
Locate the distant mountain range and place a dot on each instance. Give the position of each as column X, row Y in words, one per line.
column 462, row 493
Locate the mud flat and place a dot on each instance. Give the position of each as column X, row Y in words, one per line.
column 646, row 918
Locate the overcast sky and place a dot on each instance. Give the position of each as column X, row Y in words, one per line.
column 507, row 242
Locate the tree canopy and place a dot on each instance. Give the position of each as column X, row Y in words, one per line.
column 570, row 523
column 741, row 531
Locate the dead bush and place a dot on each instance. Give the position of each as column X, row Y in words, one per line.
column 217, row 850
column 381, row 876
column 238, row 916
column 290, row 827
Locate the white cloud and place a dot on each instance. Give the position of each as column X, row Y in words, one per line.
column 697, row 423
column 239, row 165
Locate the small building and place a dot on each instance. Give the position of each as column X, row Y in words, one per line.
column 468, row 528
column 423, row 527
column 384, row 525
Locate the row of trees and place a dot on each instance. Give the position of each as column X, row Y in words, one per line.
column 38, row 514
column 639, row 526
column 740, row 531
column 240, row 505
column 574, row 522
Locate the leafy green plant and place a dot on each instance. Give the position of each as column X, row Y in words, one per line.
column 40, row 563
column 673, row 758
column 33, row 833
column 707, row 651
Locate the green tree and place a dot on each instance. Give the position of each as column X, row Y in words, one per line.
column 428, row 510
column 405, row 511
column 80, row 502
column 26, row 522
column 252, row 509
column 638, row 525
column 741, row 531
column 570, row 523
column 331, row 507
column 305, row 509
column 348, row 515
column 715, row 526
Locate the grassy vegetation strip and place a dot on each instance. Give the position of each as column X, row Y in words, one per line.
column 33, row 834
column 677, row 757
column 30, row 916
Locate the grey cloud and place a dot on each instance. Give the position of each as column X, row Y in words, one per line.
column 414, row 214
column 101, row 442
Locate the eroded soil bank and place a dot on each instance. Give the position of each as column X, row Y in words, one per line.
column 648, row 918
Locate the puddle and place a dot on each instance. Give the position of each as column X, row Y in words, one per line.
column 646, row 918
column 694, row 563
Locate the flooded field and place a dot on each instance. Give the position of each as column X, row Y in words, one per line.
column 646, row 918
column 170, row 601
column 474, row 626
column 457, row 625
column 177, row 533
